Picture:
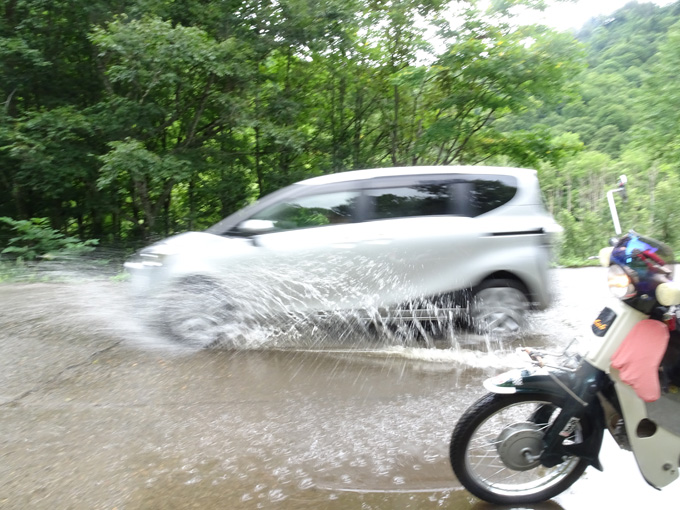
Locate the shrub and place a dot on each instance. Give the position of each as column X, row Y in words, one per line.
column 35, row 239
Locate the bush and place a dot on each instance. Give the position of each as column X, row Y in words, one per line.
column 35, row 239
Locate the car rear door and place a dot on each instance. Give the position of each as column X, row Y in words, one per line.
column 415, row 231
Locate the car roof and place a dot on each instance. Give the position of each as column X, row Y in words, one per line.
column 357, row 175
column 524, row 175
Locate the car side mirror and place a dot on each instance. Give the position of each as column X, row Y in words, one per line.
column 255, row 227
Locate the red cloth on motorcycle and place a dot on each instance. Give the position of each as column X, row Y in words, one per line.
column 639, row 356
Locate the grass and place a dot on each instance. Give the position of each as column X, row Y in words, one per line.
column 61, row 270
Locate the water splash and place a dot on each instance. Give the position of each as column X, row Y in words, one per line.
column 303, row 306
column 278, row 307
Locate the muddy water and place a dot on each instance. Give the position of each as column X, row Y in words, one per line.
column 97, row 413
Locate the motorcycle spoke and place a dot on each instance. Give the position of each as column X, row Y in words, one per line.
column 497, row 444
column 485, row 459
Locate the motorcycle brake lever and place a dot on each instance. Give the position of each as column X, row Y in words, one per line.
column 535, row 356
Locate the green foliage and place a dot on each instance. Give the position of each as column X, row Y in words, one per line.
column 666, row 215
column 622, row 116
column 35, row 239
column 136, row 119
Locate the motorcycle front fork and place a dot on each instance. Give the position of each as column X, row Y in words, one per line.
column 581, row 406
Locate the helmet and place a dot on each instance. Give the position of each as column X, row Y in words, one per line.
column 645, row 260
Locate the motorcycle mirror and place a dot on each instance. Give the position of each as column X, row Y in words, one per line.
column 623, row 180
column 605, row 256
column 621, row 188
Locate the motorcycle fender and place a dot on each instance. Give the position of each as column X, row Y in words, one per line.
column 524, row 381
column 540, row 380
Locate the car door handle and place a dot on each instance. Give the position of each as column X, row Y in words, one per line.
column 379, row 241
column 345, row 245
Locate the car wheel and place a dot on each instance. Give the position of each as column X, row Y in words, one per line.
column 499, row 307
column 194, row 313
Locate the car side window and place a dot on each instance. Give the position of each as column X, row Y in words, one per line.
column 415, row 200
column 490, row 192
column 311, row 211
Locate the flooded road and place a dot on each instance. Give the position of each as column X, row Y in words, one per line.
column 96, row 413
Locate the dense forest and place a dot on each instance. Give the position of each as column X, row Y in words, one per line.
column 125, row 121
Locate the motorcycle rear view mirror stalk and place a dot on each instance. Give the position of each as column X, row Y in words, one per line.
column 612, row 205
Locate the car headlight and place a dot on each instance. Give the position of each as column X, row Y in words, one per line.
column 153, row 256
column 620, row 283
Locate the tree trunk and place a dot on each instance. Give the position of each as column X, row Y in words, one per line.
column 258, row 162
column 395, row 128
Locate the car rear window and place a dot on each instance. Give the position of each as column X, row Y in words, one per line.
column 490, row 192
column 464, row 195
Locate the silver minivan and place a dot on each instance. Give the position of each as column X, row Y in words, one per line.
column 416, row 243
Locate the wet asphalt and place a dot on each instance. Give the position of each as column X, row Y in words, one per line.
column 98, row 413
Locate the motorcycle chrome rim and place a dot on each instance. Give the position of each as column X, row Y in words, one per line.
column 506, row 434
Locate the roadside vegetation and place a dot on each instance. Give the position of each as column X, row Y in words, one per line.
column 124, row 122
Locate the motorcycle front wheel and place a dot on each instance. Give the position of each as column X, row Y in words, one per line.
column 497, row 443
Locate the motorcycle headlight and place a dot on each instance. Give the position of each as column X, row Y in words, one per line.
column 620, row 283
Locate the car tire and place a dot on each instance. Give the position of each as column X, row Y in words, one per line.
column 499, row 308
column 193, row 313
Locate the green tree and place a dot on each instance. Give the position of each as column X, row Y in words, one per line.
column 176, row 95
column 139, row 118
column 666, row 212
column 490, row 72
column 662, row 99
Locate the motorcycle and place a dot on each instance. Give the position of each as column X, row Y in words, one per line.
column 538, row 429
